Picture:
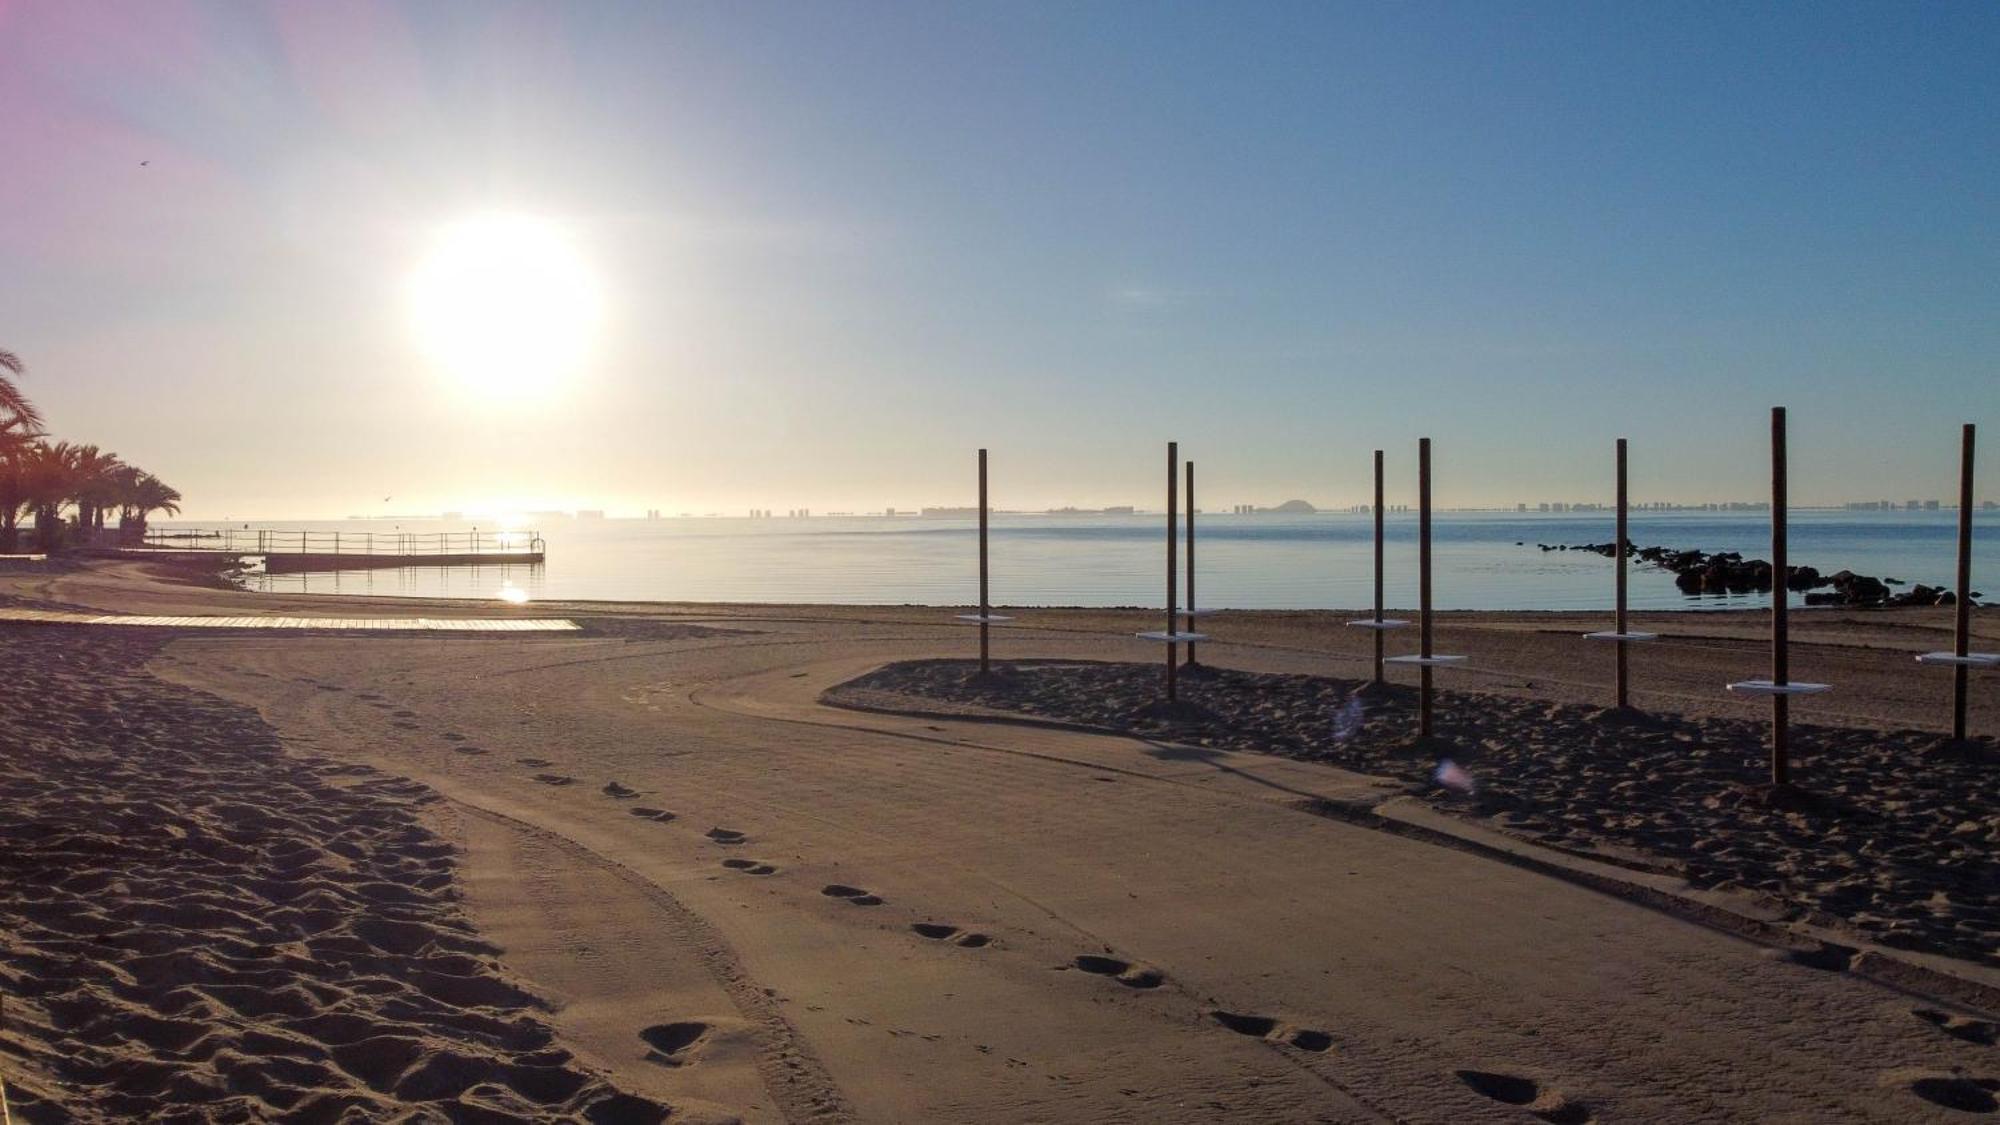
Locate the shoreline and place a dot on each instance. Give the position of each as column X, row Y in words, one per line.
column 206, row 575
column 1867, row 653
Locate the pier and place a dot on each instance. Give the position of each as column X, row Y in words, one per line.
column 294, row 552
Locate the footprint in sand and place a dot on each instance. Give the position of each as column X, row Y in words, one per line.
column 1264, row 1027
column 468, row 749
column 1515, row 1090
column 1967, row 1095
column 674, row 1044
column 535, row 763
column 452, row 736
column 1960, row 1027
column 404, row 714
column 646, row 813
column 854, row 895
column 1124, row 972
column 726, row 836
column 619, row 792
column 945, row 931
column 1826, row 957
column 749, row 867
column 554, row 779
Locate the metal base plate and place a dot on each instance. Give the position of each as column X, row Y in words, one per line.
column 1970, row 659
column 989, row 619
column 1382, row 623
column 1424, row 661
column 1172, row 638
column 1766, row 687
column 1621, row 638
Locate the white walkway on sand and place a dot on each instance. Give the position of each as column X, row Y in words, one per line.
column 373, row 624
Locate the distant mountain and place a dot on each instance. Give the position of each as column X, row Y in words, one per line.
column 1295, row 507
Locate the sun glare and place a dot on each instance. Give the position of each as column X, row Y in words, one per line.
column 505, row 302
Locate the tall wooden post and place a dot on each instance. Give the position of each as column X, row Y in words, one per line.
column 985, row 609
column 1962, row 615
column 1781, row 765
column 1189, row 616
column 1624, row 545
column 1173, row 650
column 1424, row 583
column 1378, row 568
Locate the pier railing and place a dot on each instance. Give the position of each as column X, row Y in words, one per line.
column 252, row 541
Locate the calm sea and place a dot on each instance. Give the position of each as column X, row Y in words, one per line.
column 1482, row 560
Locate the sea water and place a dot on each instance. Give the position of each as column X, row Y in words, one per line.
column 1482, row 560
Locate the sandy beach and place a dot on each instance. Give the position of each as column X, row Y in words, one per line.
column 783, row 863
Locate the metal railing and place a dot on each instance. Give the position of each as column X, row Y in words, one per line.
column 249, row 541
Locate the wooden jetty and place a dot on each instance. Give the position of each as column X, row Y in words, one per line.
column 295, row 552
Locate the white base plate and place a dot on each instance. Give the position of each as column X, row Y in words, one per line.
column 1424, row 661
column 1621, row 638
column 1384, row 623
column 1172, row 638
column 989, row 619
column 1766, row 687
column 1199, row 612
column 1970, row 659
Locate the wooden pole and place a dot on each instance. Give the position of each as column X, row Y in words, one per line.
column 1781, row 765
column 985, row 609
column 1378, row 631
column 1424, row 582
column 1173, row 650
column 1962, row 615
column 1189, row 616
column 1619, row 646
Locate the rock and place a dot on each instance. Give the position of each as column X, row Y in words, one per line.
column 1728, row 572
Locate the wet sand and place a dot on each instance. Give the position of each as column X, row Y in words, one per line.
column 738, row 901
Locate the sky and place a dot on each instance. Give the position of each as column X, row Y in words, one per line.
column 832, row 248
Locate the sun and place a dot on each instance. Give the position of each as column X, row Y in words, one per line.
column 506, row 302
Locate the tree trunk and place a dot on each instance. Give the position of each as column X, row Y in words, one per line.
column 48, row 528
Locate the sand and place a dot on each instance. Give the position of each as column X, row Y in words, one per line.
column 722, row 895
column 197, row 926
column 1888, row 838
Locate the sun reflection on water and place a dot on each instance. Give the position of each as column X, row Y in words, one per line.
column 512, row 594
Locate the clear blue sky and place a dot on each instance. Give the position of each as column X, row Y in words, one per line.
column 839, row 245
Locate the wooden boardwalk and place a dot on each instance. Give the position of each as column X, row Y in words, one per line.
column 368, row 624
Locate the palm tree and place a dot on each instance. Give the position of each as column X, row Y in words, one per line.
column 14, row 406
column 16, row 439
column 148, row 494
column 96, row 487
column 49, row 479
